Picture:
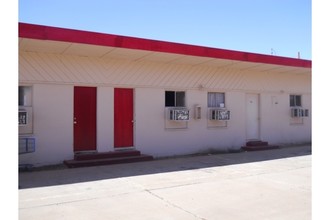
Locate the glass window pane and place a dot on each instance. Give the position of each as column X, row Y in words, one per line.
column 221, row 99
column 211, row 99
column 169, row 99
column 295, row 100
column 291, row 100
column 21, row 95
column 180, row 99
column 215, row 99
column 24, row 95
column 298, row 100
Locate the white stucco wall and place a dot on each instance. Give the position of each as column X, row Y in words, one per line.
column 155, row 138
column 276, row 122
column 52, row 124
column 105, row 132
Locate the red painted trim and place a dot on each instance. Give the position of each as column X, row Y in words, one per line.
column 86, row 37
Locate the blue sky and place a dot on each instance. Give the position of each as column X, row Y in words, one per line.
column 279, row 27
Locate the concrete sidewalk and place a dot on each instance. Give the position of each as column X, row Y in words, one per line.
column 272, row 184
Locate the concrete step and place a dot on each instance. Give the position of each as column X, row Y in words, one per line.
column 105, row 155
column 258, row 145
column 107, row 161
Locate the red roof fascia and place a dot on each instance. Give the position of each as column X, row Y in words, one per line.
column 41, row 32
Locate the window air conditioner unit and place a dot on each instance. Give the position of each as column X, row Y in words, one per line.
column 22, row 117
column 219, row 114
column 306, row 113
column 299, row 112
column 178, row 114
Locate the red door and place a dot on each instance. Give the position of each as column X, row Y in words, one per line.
column 84, row 118
column 123, row 118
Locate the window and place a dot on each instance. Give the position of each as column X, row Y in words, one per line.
column 175, row 99
column 295, row 100
column 24, row 95
column 215, row 100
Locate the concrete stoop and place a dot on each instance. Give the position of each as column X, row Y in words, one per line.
column 106, row 158
column 258, row 145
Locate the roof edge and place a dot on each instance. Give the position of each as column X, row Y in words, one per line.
column 41, row 32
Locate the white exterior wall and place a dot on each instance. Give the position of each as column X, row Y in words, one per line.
column 276, row 123
column 104, row 115
column 53, row 77
column 52, row 124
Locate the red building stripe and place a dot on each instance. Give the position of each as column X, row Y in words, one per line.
column 41, row 32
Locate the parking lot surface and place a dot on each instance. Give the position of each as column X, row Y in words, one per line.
column 272, row 184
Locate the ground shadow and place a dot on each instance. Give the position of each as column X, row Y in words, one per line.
column 60, row 175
